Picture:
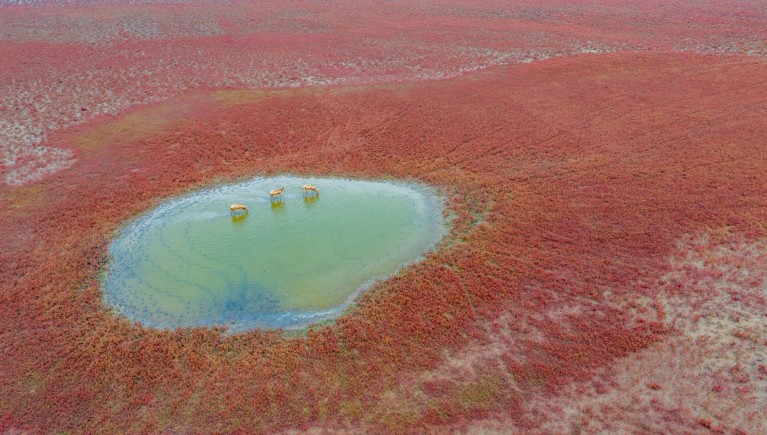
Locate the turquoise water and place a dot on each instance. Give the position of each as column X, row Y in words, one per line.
column 284, row 264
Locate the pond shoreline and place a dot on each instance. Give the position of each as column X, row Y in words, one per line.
column 138, row 283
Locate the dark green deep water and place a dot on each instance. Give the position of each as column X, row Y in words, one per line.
column 188, row 263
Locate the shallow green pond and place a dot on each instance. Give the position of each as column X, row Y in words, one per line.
column 287, row 264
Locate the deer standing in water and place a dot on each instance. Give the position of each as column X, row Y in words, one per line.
column 277, row 193
column 309, row 189
column 238, row 207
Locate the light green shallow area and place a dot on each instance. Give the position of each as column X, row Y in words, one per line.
column 284, row 264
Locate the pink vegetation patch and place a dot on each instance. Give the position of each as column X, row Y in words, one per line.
column 67, row 64
column 606, row 258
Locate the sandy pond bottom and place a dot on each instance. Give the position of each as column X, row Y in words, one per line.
column 289, row 264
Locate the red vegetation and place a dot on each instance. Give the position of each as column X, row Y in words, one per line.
column 59, row 59
column 572, row 181
column 707, row 371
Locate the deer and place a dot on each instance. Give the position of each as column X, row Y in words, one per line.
column 277, row 193
column 238, row 207
column 309, row 189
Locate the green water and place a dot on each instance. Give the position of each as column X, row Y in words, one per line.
column 283, row 264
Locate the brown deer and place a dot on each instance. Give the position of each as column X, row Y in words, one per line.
column 238, row 207
column 277, row 193
column 308, row 188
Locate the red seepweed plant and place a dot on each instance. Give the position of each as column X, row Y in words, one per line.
column 570, row 183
